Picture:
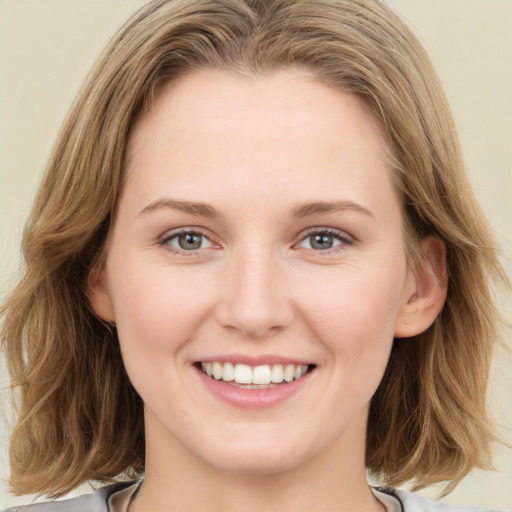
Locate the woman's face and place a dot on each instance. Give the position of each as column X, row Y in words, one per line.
column 258, row 236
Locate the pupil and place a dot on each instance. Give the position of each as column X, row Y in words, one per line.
column 322, row 241
column 189, row 241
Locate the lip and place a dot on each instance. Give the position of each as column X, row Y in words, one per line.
column 252, row 399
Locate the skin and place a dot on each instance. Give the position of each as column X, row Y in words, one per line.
column 256, row 150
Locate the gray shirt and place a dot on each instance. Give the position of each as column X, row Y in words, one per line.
column 112, row 498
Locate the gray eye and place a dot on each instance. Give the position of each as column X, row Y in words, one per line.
column 322, row 241
column 186, row 241
column 190, row 241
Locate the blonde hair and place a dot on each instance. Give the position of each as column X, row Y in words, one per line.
column 79, row 418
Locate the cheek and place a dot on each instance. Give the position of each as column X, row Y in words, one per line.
column 156, row 312
column 353, row 316
column 355, row 301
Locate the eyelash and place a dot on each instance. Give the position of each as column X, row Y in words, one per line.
column 343, row 239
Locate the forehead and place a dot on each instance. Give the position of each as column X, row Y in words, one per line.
column 209, row 96
column 286, row 127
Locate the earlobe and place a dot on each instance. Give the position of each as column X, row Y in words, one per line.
column 425, row 292
column 99, row 297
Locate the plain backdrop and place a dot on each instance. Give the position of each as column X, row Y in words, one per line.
column 48, row 46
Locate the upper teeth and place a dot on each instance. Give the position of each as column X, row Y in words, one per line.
column 245, row 374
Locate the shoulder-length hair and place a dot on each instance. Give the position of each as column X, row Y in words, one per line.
column 79, row 418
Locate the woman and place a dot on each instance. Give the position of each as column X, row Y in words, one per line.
column 255, row 269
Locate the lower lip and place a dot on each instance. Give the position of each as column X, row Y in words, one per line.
column 253, row 399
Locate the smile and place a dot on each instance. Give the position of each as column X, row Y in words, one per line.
column 254, row 386
column 254, row 377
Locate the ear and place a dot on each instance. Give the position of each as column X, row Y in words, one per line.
column 425, row 290
column 99, row 297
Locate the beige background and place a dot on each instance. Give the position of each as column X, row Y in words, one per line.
column 47, row 47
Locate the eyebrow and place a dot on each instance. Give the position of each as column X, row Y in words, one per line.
column 200, row 209
column 316, row 207
column 192, row 208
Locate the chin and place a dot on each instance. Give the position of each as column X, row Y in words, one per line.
column 263, row 466
column 268, row 458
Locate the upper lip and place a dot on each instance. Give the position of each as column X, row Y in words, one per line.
column 268, row 359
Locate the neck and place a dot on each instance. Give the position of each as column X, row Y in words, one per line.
column 249, row 493
column 334, row 480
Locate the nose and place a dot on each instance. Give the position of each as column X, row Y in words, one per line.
column 255, row 301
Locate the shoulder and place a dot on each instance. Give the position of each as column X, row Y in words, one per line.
column 415, row 503
column 93, row 502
